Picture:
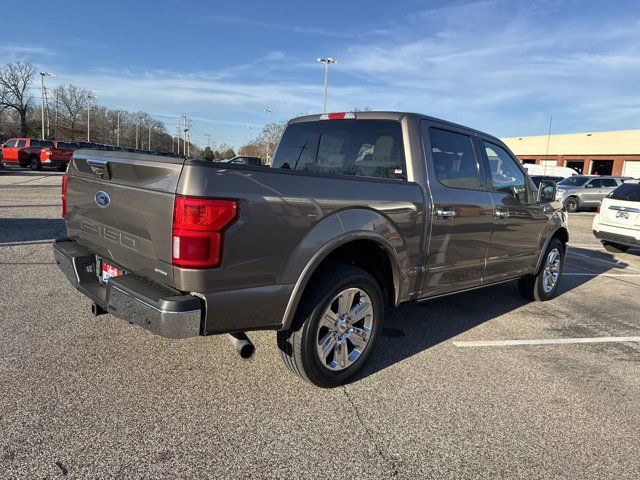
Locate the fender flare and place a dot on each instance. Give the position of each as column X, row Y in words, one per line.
column 338, row 224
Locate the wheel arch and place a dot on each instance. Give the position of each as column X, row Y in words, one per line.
column 562, row 234
column 350, row 237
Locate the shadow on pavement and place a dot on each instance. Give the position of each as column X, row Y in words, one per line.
column 24, row 230
column 415, row 327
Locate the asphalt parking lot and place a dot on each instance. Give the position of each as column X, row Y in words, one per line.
column 88, row 397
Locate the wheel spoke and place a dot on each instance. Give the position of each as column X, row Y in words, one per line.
column 341, row 355
column 326, row 344
column 345, row 301
column 360, row 311
column 329, row 319
column 357, row 338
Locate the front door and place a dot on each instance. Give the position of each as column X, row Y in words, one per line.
column 10, row 151
column 518, row 220
column 461, row 219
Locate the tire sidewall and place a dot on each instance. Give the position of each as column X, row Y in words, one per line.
column 575, row 205
column 312, row 363
column 540, row 293
column 35, row 164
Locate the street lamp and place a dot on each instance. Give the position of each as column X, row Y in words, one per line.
column 42, row 75
column 269, row 112
column 326, row 62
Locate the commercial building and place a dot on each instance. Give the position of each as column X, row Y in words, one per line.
column 596, row 153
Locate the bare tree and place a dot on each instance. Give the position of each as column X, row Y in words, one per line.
column 73, row 102
column 265, row 144
column 15, row 81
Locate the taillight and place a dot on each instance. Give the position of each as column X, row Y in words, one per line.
column 198, row 226
column 48, row 152
column 64, row 196
column 598, row 209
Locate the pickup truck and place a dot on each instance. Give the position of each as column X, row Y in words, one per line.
column 34, row 153
column 358, row 213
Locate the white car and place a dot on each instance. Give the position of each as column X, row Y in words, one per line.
column 617, row 224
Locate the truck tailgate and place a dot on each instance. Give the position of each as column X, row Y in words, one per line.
column 120, row 206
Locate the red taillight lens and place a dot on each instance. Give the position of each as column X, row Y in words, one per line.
column 598, row 209
column 198, row 225
column 64, row 196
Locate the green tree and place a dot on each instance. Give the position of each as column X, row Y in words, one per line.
column 229, row 153
column 208, row 154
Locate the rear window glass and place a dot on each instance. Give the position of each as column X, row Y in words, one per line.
column 67, row 145
column 41, row 143
column 453, row 159
column 367, row 148
column 627, row 191
column 574, row 181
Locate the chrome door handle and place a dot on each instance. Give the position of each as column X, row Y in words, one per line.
column 502, row 214
column 445, row 213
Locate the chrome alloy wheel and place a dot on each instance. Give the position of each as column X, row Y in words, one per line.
column 344, row 329
column 551, row 270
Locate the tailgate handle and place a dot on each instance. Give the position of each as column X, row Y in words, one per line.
column 100, row 168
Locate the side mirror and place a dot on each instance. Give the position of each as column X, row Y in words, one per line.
column 547, row 191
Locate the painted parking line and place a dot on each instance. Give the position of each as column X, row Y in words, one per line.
column 564, row 274
column 544, row 341
column 27, row 242
column 603, row 261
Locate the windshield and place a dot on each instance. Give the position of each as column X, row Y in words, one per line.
column 627, row 191
column 573, row 181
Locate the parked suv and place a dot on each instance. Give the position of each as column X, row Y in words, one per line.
column 617, row 224
column 359, row 212
column 585, row 191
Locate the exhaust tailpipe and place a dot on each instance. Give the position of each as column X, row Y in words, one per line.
column 242, row 344
column 97, row 310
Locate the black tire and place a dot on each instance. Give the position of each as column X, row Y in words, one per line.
column 532, row 287
column 35, row 164
column 572, row 204
column 24, row 164
column 614, row 247
column 298, row 344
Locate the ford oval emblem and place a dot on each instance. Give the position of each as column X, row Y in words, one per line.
column 102, row 199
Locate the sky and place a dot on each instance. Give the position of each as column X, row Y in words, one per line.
column 503, row 67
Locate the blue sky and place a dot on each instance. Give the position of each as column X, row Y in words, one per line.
column 499, row 66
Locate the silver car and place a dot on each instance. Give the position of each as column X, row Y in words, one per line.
column 585, row 191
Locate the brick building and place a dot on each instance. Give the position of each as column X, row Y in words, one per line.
column 597, row 153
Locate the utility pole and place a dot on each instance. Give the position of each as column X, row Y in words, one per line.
column 118, row 130
column 178, row 133
column 137, row 126
column 149, row 145
column 186, row 135
column 44, row 97
column 327, row 61
column 88, row 122
column 208, row 137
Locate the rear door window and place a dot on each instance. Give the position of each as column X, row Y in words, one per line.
column 595, row 183
column 454, row 161
column 22, row 143
column 367, row 148
column 608, row 183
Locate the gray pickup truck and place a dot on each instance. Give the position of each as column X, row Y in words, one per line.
column 359, row 212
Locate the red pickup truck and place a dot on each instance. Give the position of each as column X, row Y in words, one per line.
column 34, row 153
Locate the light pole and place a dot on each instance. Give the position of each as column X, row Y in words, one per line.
column 42, row 75
column 269, row 112
column 88, row 121
column 327, row 61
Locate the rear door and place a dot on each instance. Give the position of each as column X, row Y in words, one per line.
column 518, row 219
column 120, row 205
column 593, row 193
column 461, row 216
